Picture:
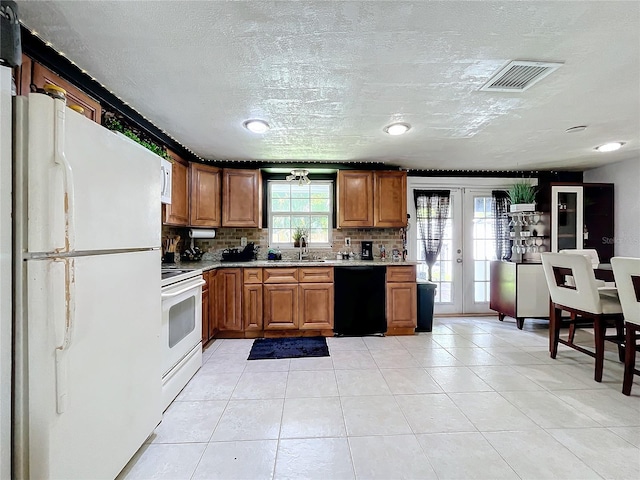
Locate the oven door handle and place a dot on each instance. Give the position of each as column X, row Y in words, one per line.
column 186, row 289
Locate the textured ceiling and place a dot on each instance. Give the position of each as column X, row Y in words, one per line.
column 329, row 75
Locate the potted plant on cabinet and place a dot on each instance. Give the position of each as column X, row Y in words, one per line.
column 523, row 197
column 298, row 233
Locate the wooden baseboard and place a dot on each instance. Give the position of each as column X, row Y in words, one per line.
column 400, row 331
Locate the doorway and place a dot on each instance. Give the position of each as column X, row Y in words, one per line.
column 462, row 269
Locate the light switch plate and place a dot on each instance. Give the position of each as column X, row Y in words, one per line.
column 243, row 241
column 347, row 242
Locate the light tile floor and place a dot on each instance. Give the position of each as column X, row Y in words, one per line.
column 476, row 398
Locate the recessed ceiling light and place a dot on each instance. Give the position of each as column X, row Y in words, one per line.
column 256, row 126
column 610, row 147
column 397, row 128
column 578, row 128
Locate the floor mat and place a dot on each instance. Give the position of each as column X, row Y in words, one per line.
column 288, row 348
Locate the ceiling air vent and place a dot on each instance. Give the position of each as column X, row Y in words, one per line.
column 517, row 76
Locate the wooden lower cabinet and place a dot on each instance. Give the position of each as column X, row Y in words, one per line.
column 402, row 305
column 316, row 306
column 228, row 302
column 252, row 307
column 205, row 309
column 280, row 310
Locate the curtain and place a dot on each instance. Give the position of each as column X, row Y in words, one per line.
column 432, row 210
column 501, row 224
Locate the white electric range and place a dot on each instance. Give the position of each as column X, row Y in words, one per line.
column 181, row 334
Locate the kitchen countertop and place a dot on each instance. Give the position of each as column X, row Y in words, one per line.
column 211, row 264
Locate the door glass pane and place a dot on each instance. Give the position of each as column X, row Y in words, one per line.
column 484, row 246
column 442, row 271
column 567, row 219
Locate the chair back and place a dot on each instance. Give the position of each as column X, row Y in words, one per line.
column 583, row 293
column 627, row 273
column 590, row 253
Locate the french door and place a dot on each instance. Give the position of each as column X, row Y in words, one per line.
column 462, row 268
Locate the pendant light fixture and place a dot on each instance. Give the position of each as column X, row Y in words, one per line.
column 300, row 176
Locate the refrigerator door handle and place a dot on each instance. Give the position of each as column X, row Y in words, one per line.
column 61, row 350
column 61, row 159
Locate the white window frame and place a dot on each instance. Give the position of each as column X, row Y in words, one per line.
column 312, row 245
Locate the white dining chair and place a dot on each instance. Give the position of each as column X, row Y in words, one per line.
column 584, row 301
column 627, row 274
column 592, row 255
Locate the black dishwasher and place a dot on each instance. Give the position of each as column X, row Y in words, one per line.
column 359, row 300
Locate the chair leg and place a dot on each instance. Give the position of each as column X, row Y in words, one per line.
column 629, row 359
column 599, row 329
column 620, row 338
column 554, row 330
column 572, row 327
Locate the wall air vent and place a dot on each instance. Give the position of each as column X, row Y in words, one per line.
column 517, row 76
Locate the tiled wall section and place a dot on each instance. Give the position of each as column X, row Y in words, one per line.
column 230, row 237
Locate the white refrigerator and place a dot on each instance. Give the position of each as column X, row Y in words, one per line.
column 87, row 232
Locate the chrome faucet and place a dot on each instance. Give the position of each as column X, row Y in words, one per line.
column 304, row 249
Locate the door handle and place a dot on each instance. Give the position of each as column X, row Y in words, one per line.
column 69, row 324
column 61, row 159
column 458, row 260
column 186, row 289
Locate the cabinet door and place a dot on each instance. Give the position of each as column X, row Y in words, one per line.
column 405, row 273
column 205, row 196
column 402, row 308
column 567, row 218
column 355, row 198
column 316, row 306
column 177, row 212
column 75, row 96
column 229, row 299
column 252, row 307
column 213, row 296
column 280, row 275
column 280, row 306
column 205, row 309
column 241, row 198
column 599, row 227
column 390, row 199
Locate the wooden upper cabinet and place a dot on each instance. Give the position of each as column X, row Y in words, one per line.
column 205, row 195
column 390, row 199
column 355, row 198
column 177, row 212
column 75, row 96
column 241, row 198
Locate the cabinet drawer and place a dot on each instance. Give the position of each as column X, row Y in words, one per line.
column 401, row 274
column 315, row 275
column 252, row 275
column 280, row 275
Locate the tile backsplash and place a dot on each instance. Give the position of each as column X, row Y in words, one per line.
column 230, row 237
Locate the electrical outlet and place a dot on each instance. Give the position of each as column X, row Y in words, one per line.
column 347, row 242
column 243, row 241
